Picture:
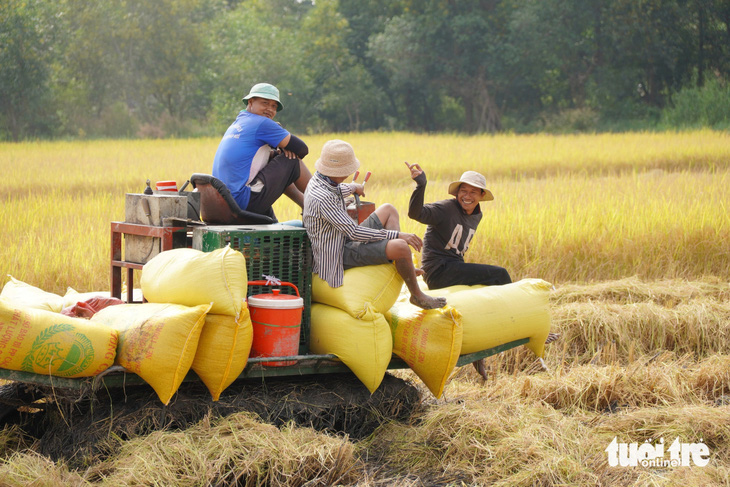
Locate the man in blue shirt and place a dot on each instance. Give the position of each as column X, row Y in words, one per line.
column 257, row 159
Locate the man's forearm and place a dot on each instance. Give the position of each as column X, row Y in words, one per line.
column 416, row 203
column 297, row 146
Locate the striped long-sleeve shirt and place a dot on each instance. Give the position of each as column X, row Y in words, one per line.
column 329, row 226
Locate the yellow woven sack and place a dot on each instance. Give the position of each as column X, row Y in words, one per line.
column 48, row 343
column 495, row 315
column 429, row 341
column 223, row 350
column 157, row 341
column 376, row 285
column 24, row 295
column 191, row 277
column 365, row 345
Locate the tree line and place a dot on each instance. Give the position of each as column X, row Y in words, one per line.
column 138, row 68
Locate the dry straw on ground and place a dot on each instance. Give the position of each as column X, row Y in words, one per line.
column 238, row 450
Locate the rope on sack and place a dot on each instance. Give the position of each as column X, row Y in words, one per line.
column 225, row 278
column 271, row 280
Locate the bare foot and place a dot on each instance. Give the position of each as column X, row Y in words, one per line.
column 479, row 365
column 552, row 337
column 419, row 271
column 427, row 302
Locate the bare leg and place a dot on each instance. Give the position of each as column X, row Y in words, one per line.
column 398, row 251
column 389, row 217
column 295, row 195
column 295, row 191
column 304, row 177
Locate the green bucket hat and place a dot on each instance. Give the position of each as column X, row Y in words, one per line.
column 265, row 90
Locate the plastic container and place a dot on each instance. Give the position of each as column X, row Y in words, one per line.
column 276, row 319
column 272, row 250
column 167, row 186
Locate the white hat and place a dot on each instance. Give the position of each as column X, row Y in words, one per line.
column 337, row 159
column 472, row 178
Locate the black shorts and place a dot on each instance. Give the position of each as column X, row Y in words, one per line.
column 277, row 175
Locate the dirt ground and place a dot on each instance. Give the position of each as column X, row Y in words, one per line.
column 77, row 429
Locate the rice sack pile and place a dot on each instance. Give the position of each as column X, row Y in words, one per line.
column 348, row 321
column 25, row 295
column 223, row 350
column 191, row 277
column 217, row 279
column 375, row 286
column 48, row 343
column 364, row 344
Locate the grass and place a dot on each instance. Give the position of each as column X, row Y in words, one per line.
column 632, row 230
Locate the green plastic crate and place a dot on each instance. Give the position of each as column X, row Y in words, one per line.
column 277, row 250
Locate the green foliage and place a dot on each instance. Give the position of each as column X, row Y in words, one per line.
column 343, row 93
column 174, row 68
column 705, row 106
column 25, row 38
column 246, row 50
column 444, row 49
column 572, row 120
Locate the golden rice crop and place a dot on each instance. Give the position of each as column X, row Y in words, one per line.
column 700, row 327
column 567, row 209
column 633, row 290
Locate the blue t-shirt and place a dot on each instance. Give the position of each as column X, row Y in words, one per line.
column 232, row 163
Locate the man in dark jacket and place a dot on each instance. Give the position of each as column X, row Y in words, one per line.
column 452, row 224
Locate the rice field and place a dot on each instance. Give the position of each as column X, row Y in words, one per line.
column 631, row 229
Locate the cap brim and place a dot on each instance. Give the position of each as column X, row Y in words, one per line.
column 279, row 106
column 454, row 190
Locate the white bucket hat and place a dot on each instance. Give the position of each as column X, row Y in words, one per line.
column 337, row 159
column 472, row 178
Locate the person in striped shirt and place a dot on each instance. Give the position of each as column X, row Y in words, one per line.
column 338, row 243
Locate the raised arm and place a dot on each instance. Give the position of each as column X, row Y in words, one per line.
column 416, row 210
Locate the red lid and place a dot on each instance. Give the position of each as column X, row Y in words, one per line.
column 276, row 300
